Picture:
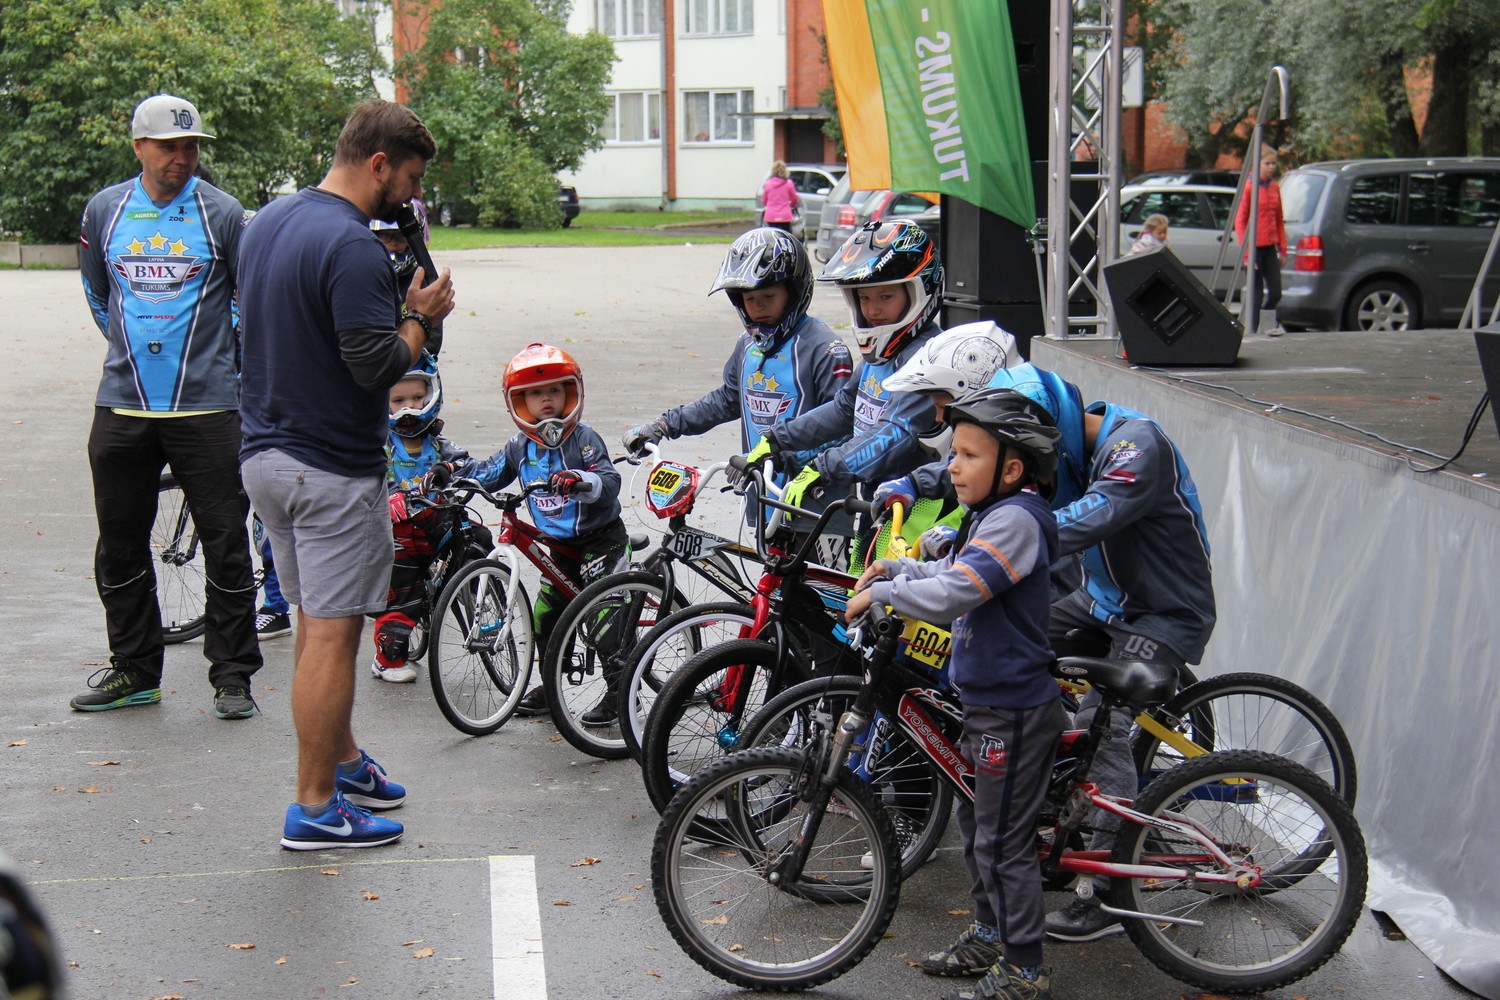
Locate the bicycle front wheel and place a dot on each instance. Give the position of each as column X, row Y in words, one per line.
column 662, row 651
column 1250, row 711
column 181, row 581
column 480, row 655
column 914, row 795
column 1262, row 811
column 700, row 713
column 715, row 856
column 586, row 656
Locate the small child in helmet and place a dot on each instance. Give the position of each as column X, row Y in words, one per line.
column 994, row 588
column 415, row 447
column 580, row 507
column 786, row 363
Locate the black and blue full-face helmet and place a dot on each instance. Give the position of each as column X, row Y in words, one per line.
column 759, row 259
column 412, row 421
column 888, row 253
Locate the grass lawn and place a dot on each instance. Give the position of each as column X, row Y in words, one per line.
column 594, row 229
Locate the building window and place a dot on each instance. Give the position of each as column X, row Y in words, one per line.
column 635, row 117
column 719, row 17
column 630, row 18
column 709, row 116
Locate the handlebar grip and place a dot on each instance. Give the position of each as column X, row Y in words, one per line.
column 738, row 463
column 855, row 505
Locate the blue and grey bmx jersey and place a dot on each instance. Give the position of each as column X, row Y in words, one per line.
column 866, row 433
column 159, row 281
column 564, row 517
column 762, row 390
column 1141, row 531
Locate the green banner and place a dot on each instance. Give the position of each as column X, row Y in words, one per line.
column 953, row 102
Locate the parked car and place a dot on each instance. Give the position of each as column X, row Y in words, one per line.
column 814, row 182
column 840, row 215
column 1386, row 244
column 1195, row 213
column 567, row 203
column 1219, row 178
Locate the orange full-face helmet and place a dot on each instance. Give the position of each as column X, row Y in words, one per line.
column 536, row 366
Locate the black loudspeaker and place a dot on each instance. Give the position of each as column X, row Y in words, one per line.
column 1166, row 316
column 1022, row 320
column 1487, row 340
column 986, row 258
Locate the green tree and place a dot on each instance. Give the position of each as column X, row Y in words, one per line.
column 511, row 98
column 274, row 79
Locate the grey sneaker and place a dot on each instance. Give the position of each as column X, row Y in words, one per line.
column 1082, row 920
column 116, row 687
column 1005, row 982
column 233, row 702
column 970, row 955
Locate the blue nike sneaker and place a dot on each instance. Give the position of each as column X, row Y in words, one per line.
column 342, row 825
column 368, row 786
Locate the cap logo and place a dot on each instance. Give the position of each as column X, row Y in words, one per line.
column 182, row 118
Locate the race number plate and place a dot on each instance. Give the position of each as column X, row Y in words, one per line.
column 690, row 543
column 927, row 644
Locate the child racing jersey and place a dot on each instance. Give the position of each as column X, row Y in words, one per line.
column 570, row 516
column 159, row 281
column 405, row 470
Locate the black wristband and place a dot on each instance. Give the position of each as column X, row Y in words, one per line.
column 423, row 321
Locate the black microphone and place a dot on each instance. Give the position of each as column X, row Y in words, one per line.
column 411, row 228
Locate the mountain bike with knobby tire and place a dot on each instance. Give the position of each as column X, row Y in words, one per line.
column 1237, row 871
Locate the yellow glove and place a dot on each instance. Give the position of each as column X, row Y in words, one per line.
column 797, row 488
column 760, row 452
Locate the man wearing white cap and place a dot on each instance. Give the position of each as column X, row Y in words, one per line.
column 158, row 254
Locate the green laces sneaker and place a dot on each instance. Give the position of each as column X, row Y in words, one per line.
column 116, row 687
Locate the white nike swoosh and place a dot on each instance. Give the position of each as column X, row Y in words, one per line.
column 343, row 829
column 368, row 785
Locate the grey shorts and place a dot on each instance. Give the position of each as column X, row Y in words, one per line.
column 330, row 534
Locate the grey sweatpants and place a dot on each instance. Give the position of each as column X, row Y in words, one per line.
column 1012, row 751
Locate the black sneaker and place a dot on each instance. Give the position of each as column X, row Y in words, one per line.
column 1082, row 920
column 233, row 702
column 1005, row 982
column 970, row 955
column 272, row 624
column 116, row 687
column 604, row 714
column 533, row 703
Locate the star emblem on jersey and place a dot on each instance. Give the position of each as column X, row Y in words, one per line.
column 157, row 268
column 871, row 384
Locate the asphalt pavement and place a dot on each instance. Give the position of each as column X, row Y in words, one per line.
column 150, row 833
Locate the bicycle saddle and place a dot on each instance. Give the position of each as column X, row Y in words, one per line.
column 639, row 540
column 1139, row 683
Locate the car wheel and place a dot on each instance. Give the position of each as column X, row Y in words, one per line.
column 567, row 221
column 1383, row 304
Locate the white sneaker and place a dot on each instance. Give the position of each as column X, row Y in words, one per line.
column 404, row 674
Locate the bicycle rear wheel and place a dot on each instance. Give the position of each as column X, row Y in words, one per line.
column 700, row 713
column 480, row 656
column 1250, row 711
column 181, row 580
column 1261, row 810
column 720, row 839
column 662, row 651
column 586, row 656
column 917, row 799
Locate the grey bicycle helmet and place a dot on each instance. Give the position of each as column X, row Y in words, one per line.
column 1016, row 422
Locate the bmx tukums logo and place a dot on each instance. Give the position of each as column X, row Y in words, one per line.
column 992, row 754
column 157, row 269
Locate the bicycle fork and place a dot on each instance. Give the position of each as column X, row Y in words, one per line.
column 819, row 791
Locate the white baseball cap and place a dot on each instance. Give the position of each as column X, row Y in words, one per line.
column 164, row 116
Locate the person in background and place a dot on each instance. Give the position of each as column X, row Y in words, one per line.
column 1270, row 242
column 781, row 199
column 169, row 395
column 1153, row 235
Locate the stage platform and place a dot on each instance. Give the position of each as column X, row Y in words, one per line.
column 1376, row 587
column 1416, row 389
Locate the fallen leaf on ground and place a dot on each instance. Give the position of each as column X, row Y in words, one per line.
column 560, row 902
column 90, row 790
column 722, row 918
column 349, row 982
column 653, row 972
column 329, row 871
column 554, row 739
column 169, row 996
column 103, row 763
column 408, row 944
column 193, row 900
column 18, row 743
column 371, row 895
column 281, row 960
column 640, row 887
column 625, row 899
column 145, row 840
column 427, row 952
column 581, row 862
column 914, row 965
column 240, row 947
column 958, row 913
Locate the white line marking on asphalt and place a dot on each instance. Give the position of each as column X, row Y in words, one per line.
column 516, row 929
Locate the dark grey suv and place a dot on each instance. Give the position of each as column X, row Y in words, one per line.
column 1386, row 244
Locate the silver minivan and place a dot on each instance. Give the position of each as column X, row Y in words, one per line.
column 1386, row 244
